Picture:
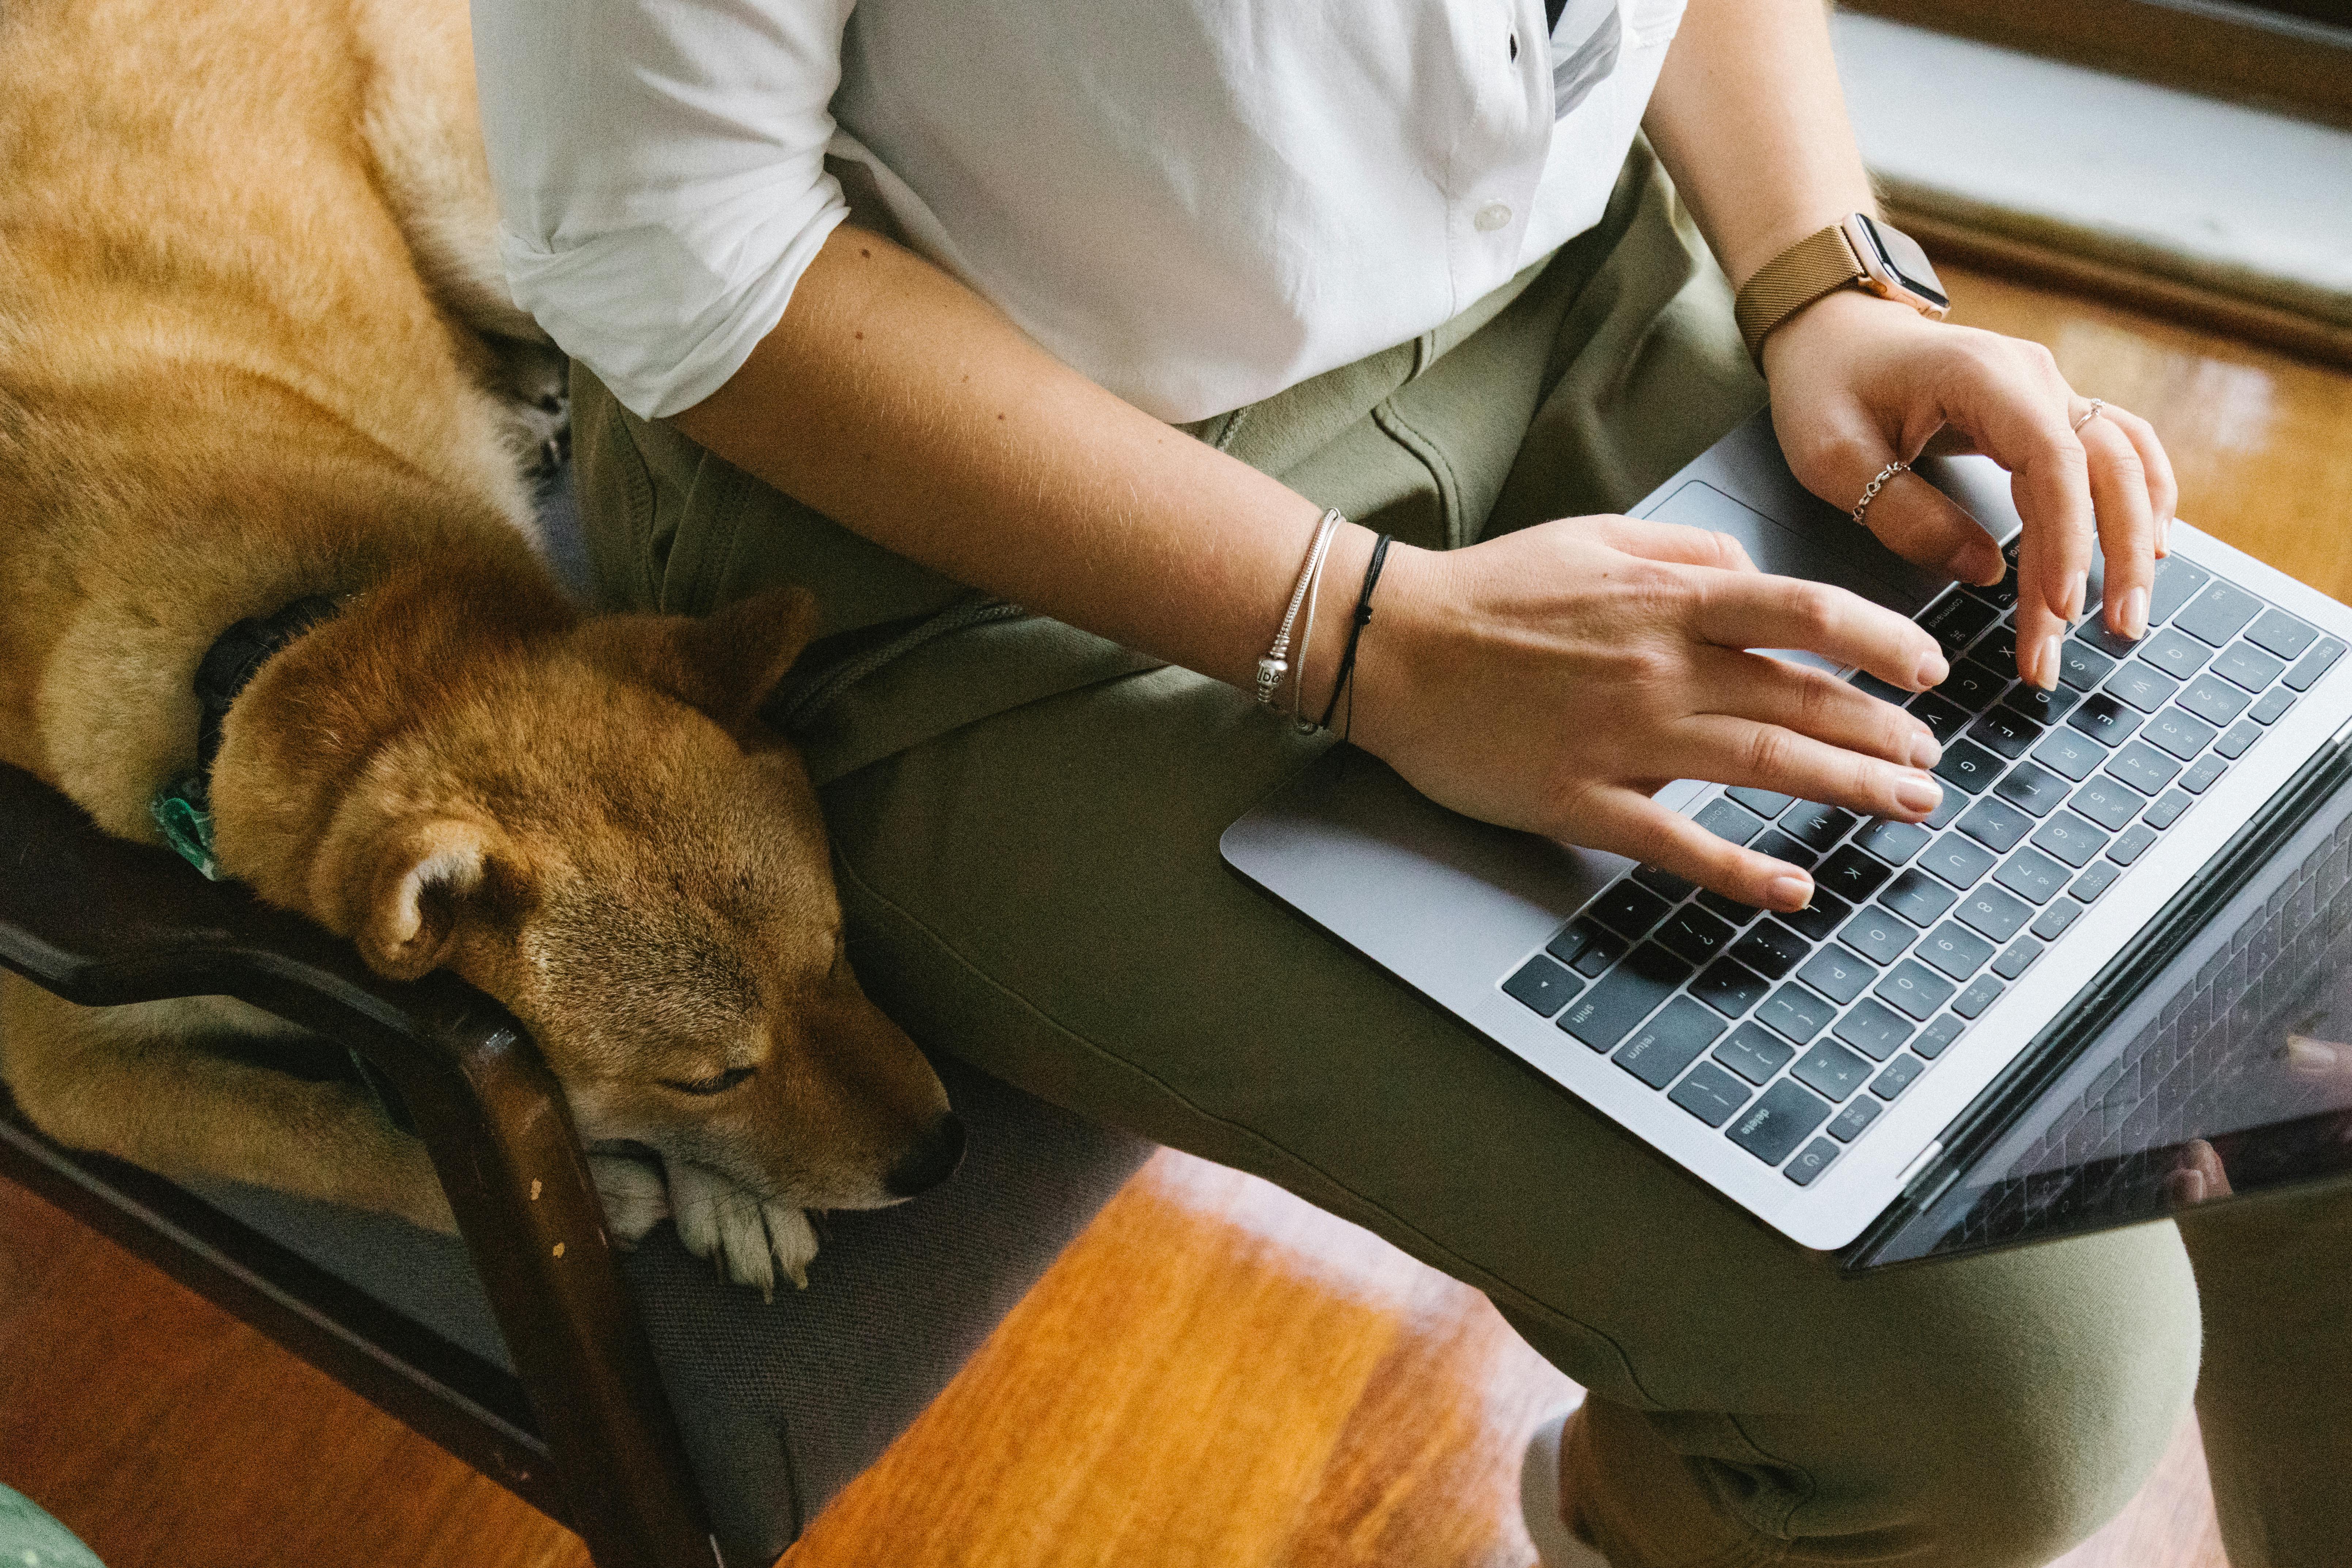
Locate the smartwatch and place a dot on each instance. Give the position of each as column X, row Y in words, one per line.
column 1859, row 253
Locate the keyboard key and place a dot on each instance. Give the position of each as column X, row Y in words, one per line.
column 1997, row 647
column 1778, row 1120
column 2233, row 745
column 2282, row 633
column 2006, row 732
column 2068, row 752
column 1993, row 914
column 1816, row 1159
column 2036, row 790
column 2109, row 802
column 1710, row 1094
column 1820, row 918
column 1957, row 952
column 2032, row 875
column 2178, row 655
column 1543, row 986
column 1627, row 909
column 1664, row 883
column 1815, row 826
column 1958, row 859
column 1587, row 947
column 1896, row 1077
column 2001, row 596
column 2094, row 881
column 2315, row 664
column 2177, row 582
column 1780, row 846
column 2017, row 958
column 2271, row 706
column 1912, row 987
column 1851, row 874
column 1729, row 986
column 1944, row 718
column 1917, row 898
column 1754, row 1052
column 2183, row 736
column 1995, row 825
column 2056, row 919
column 1796, row 1012
column 2142, row 685
column 1848, row 1124
column 2104, row 719
column 2131, row 843
column 1862, row 680
column 1874, row 1029
column 1893, row 842
column 1955, row 620
column 1610, row 1008
column 1877, row 935
column 1967, row 767
column 2113, row 643
column 1936, row 1037
column 1690, row 932
column 2068, row 838
column 1831, row 1069
column 2040, row 707
column 2167, row 809
column 2082, row 668
column 1731, row 911
column 2144, row 768
column 1947, row 806
column 2218, row 614
column 1726, row 819
column 1974, row 685
column 1772, row 950
column 1668, row 1043
column 1837, row 974
column 2213, row 699
column 2243, row 664
column 1763, row 802
column 1981, row 993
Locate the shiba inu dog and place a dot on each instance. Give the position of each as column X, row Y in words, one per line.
column 257, row 365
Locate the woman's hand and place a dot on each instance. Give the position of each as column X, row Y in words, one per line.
column 1858, row 382
column 1552, row 679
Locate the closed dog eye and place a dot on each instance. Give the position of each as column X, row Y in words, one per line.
column 720, row 1084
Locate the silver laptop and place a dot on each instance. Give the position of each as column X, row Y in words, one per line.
column 2113, row 957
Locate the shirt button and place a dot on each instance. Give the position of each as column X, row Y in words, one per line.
column 1491, row 217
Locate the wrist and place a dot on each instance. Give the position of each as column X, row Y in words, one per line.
column 1843, row 314
column 1394, row 657
column 1316, row 658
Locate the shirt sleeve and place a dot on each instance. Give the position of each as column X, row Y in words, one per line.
column 660, row 174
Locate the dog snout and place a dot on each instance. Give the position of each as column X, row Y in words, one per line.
column 931, row 1160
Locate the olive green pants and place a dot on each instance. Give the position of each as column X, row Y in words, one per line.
column 1026, row 820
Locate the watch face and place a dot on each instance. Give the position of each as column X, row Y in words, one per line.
column 1902, row 258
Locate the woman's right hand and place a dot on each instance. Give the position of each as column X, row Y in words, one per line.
column 1553, row 679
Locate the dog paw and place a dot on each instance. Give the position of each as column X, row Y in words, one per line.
column 752, row 1239
column 636, row 1198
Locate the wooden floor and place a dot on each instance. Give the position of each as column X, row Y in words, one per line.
column 1215, row 1376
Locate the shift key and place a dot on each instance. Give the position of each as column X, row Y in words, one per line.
column 1610, row 1008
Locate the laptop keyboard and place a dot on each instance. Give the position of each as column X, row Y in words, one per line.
column 1791, row 1033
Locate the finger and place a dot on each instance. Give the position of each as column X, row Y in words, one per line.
column 1811, row 702
column 1752, row 611
column 1921, row 524
column 2310, row 1058
column 2022, row 425
column 1725, row 750
column 2163, row 486
column 1670, row 541
column 1623, row 822
column 2126, row 524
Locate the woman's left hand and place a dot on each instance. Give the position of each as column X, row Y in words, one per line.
column 1858, row 382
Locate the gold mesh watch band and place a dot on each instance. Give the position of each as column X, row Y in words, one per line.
column 1793, row 279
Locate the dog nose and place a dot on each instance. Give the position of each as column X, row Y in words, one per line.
column 930, row 1162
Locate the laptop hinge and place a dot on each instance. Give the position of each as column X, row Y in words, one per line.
column 1919, row 1163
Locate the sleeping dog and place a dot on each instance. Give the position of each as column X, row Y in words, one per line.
column 267, row 588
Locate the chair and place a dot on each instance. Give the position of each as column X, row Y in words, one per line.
column 667, row 1417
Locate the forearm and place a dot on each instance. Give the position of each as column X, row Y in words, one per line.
column 894, row 401
column 1748, row 119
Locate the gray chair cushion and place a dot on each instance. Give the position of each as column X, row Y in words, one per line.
column 782, row 1404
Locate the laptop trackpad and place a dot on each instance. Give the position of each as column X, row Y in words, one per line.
column 1827, row 549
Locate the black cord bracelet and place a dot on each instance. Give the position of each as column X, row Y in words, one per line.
column 1356, row 635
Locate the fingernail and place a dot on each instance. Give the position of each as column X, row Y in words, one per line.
column 1934, row 671
column 2164, row 537
column 1926, row 753
column 1917, row 793
column 2185, row 1187
column 2131, row 615
column 2045, row 664
column 1789, row 893
column 1991, row 566
column 2318, row 1057
column 2076, row 593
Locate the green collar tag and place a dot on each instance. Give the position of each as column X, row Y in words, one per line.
column 181, row 810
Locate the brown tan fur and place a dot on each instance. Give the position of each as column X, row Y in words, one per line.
column 254, row 346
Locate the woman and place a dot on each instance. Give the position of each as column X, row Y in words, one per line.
column 1101, row 310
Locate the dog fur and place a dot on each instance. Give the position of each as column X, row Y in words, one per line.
column 254, row 346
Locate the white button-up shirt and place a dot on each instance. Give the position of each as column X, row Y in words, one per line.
column 1194, row 203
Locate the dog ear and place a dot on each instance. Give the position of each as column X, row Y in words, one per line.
column 726, row 664
column 423, row 880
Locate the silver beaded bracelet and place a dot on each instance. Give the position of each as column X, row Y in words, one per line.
column 1276, row 664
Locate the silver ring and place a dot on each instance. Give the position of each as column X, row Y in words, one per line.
column 1870, row 492
column 2090, row 414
